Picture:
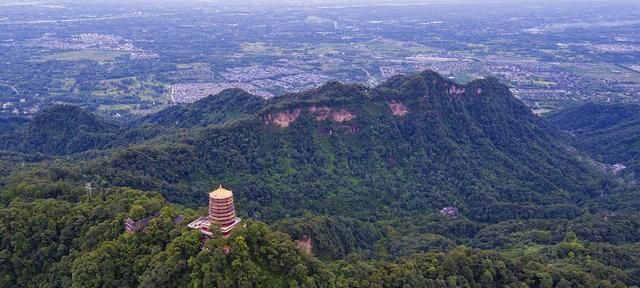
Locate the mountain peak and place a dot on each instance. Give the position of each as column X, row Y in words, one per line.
column 69, row 118
column 61, row 129
column 226, row 93
column 225, row 106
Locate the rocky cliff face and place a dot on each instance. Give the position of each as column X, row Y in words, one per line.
column 323, row 113
column 283, row 118
column 320, row 113
column 397, row 108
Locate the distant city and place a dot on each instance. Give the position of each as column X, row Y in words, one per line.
column 552, row 56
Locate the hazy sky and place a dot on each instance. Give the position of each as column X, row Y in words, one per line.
column 400, row 1
column 326, row 2
column 298, row 3
column 395, row 2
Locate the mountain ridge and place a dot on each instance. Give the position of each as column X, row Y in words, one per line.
column 225, row 106
column 474, row 146
column 361, row 173
column 608, row 133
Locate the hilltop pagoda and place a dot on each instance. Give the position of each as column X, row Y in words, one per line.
column 221, row 212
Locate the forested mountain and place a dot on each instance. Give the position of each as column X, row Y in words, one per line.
column 225, row 106
column 60, row 129
column 10, row 124
column 407, row 147
column 590, row 116
column 609, row 133
column 362, row 172
column 66, row 129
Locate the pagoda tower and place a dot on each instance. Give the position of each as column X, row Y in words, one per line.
column 222, row 212
column 221, row 208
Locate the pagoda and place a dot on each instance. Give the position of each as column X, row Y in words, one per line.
column 221, row 212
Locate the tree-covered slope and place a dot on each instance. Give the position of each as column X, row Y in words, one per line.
column 592, row 116
column 66, row 130
column 60, row 129
column 57, row 243
column 225, row 106
column 609, row 133
column 82, row 243
column 360, row 172
column 11, row 124
column 400, row 149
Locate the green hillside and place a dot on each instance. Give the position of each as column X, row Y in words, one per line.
column 609, row 133
column 225, row 106
column 340, row 150
column 363, row 172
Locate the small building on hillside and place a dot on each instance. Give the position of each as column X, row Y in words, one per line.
column 222, row 212
column 132, row 226
column 450, row 211
column 135, row 226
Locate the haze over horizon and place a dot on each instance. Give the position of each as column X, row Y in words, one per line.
column 310, row 2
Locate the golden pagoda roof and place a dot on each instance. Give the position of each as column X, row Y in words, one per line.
column 220, row 193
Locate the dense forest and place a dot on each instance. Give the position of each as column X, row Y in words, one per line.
column 58, row 243
column 609, row 133
column 362, row 172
